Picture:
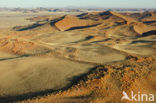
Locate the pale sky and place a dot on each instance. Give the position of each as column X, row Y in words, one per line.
column 80, row 3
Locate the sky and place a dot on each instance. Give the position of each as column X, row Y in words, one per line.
column 80, row 3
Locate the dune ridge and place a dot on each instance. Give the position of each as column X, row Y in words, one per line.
column 78, row 58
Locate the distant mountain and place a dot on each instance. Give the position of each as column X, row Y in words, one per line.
column 74, row 9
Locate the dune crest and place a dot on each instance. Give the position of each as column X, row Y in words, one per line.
column 98, row 54
column 69, row 22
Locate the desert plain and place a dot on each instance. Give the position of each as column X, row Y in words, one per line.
column 89, row 57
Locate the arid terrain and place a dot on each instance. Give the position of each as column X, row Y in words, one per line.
column 89, row 57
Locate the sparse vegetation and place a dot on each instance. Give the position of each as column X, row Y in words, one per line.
column 87, row 58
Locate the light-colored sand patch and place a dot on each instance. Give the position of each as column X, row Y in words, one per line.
column 144, row 51
column 63, row 37
column 4, row 55
column 34, row 74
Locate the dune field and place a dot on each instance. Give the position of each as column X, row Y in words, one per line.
column 76, row 57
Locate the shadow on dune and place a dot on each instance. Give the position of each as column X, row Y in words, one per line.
column 142, row 41
column 101, row 40
column 3, row 59
column 30, row 27
column 85, row 39
column 74, row 80
column 149, row 22
column 33, row 26
column 153, row 32
column 25, row 55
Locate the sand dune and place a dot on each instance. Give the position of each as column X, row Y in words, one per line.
column 108, row 51
column 20, row 46
column 71, row 22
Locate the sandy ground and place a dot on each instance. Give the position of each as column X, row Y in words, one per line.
column 41, row 57
column 32, row 74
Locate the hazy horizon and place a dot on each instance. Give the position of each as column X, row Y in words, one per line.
column 76, row 3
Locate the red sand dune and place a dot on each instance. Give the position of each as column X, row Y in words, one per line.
column 69, row 22
column 17, row 46
column 85, row 20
